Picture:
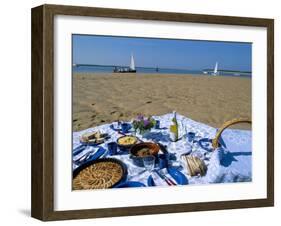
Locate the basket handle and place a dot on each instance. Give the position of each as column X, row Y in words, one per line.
column 215, row 141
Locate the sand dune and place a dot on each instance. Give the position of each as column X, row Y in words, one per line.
column 104, row 98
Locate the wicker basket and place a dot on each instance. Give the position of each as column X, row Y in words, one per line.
column 196, row 166
column 215, row 141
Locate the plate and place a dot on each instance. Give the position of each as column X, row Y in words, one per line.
column 178, row 176
column 130, row 184
column 118, row 129
column 206, row 144
column 93, row 138
column 99, row 174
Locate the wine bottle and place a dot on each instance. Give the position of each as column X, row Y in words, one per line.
column 174, row 128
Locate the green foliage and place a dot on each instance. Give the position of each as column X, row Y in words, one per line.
column 143, row 124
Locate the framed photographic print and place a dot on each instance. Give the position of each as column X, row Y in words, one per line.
column 141, row 112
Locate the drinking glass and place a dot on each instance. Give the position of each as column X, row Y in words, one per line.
column 190, row 136
column 125, row 127
column 157, row 124
column 112, row 148
column 148, row 162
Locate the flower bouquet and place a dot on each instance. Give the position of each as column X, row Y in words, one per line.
column 143, row 125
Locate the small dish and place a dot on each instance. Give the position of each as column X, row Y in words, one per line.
column 141, row 150
column 126, row 142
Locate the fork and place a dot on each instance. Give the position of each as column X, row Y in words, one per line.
column 167, row 179
column 84, row 157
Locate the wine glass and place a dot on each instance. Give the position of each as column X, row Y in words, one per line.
column 149, row 162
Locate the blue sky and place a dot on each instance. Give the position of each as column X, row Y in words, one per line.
column 162, row 53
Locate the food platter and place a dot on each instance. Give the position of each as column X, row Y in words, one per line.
column 99, row 174
column 93, row 138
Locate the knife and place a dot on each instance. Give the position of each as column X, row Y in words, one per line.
column 167, row 178
column 163, row 178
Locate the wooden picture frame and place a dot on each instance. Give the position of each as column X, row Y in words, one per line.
column 42, row 203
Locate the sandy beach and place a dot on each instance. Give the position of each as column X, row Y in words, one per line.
column 104, row 98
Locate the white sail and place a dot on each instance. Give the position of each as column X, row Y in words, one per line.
column 132, row 65
column 216, row 69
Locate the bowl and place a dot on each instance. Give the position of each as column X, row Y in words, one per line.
column 141, row 150
column 126, row 142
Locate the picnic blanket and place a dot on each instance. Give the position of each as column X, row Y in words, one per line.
column 232, row 162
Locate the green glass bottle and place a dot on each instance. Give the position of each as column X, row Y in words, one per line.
column 174, row 128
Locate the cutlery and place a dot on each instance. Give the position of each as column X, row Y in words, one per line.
column 186, row 153
column 93, row 155
column 163, row 177
column 79, row 149
column 140, row 139
column 85, row 157
column 163, row 148
column 127, row 135
column 139, row 173
column 170, row 180
column 124, row 134
column 167, row 178
column 104, row 154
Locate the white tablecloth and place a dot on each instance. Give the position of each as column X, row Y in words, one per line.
column 231, row 163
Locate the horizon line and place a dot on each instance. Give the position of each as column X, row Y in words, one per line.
column 150, row 67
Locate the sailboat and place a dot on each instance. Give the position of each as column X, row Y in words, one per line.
column 132, row 65
column 216, row 69
column 130, row 69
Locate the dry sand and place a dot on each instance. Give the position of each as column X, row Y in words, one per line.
column 104, row 98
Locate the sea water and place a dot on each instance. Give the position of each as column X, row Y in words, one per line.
column 148, row 70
